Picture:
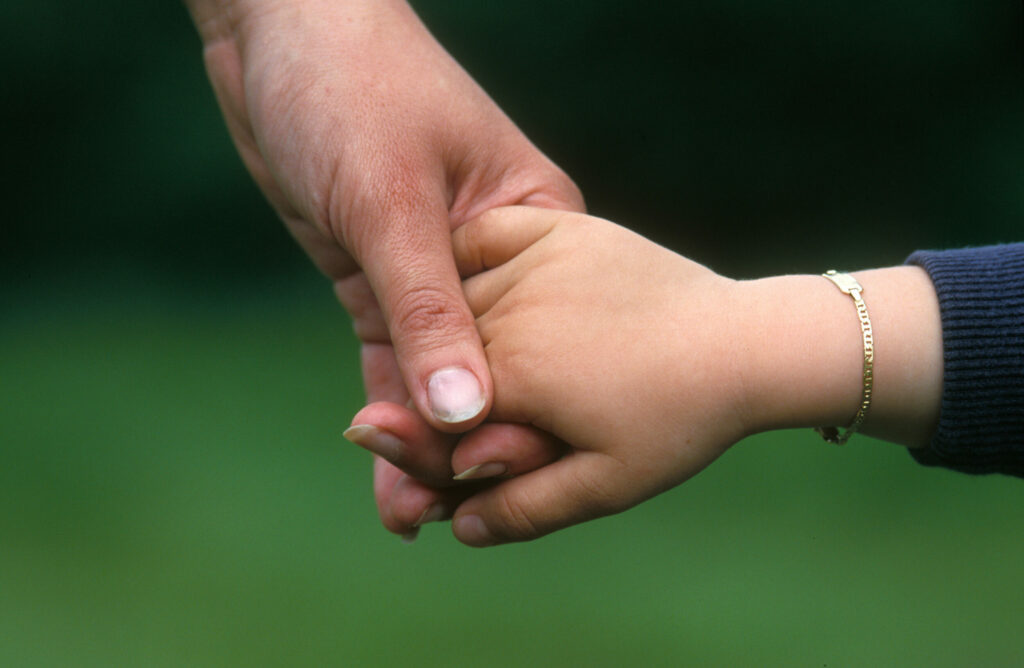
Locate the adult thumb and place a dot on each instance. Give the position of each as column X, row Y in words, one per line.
column 413, row 275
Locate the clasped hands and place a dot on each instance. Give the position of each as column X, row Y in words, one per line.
column 621, row 369
column 372, row 144
column 611, row 383
column 607, row 369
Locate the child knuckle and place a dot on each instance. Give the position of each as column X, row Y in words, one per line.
column 516, row 517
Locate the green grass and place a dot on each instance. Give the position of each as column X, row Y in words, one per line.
column 175, row 491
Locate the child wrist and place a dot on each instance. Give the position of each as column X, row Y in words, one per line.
column 849, row 285
column 802, row 354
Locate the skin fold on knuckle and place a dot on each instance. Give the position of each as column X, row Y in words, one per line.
column 593, row 497
column 430, row 316
column 513, row 512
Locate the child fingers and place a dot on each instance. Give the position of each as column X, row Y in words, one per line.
column 498, row 235
column 500, row 449
column 577, row 488
column 403, row 438
column 483, row 291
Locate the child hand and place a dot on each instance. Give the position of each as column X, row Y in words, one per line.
column 613, row 344
column 649, row 366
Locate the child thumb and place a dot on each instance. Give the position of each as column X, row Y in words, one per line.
column 579, row 487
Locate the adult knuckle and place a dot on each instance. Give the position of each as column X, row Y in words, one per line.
column 554, row 190
column 569, row 191
column 429, row 312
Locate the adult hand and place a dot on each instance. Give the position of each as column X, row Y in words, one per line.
column 414, row 476
column 371, row 143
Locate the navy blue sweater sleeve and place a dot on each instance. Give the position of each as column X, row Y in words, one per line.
column 981, row 298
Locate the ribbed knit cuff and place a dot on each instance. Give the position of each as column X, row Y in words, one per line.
column 981, row 297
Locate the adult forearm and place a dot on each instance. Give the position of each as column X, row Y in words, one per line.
column 217, row 19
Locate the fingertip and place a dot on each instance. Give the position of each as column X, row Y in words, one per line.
column 386, row 415
column 377, row 441
column 403, row 437
column 413, row 504
column 385, row 478
column 471, row 530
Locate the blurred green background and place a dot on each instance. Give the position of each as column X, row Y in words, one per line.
column 174, row 378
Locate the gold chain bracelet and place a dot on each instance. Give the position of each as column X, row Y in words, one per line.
column 849, row 285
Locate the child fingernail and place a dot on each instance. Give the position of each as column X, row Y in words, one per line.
column 434, row 513
column 375, row 440
column 472, row 530
column 410, row 537
column 487, row 470
column 455, row 395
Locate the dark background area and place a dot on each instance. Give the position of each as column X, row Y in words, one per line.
column 754, row 136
